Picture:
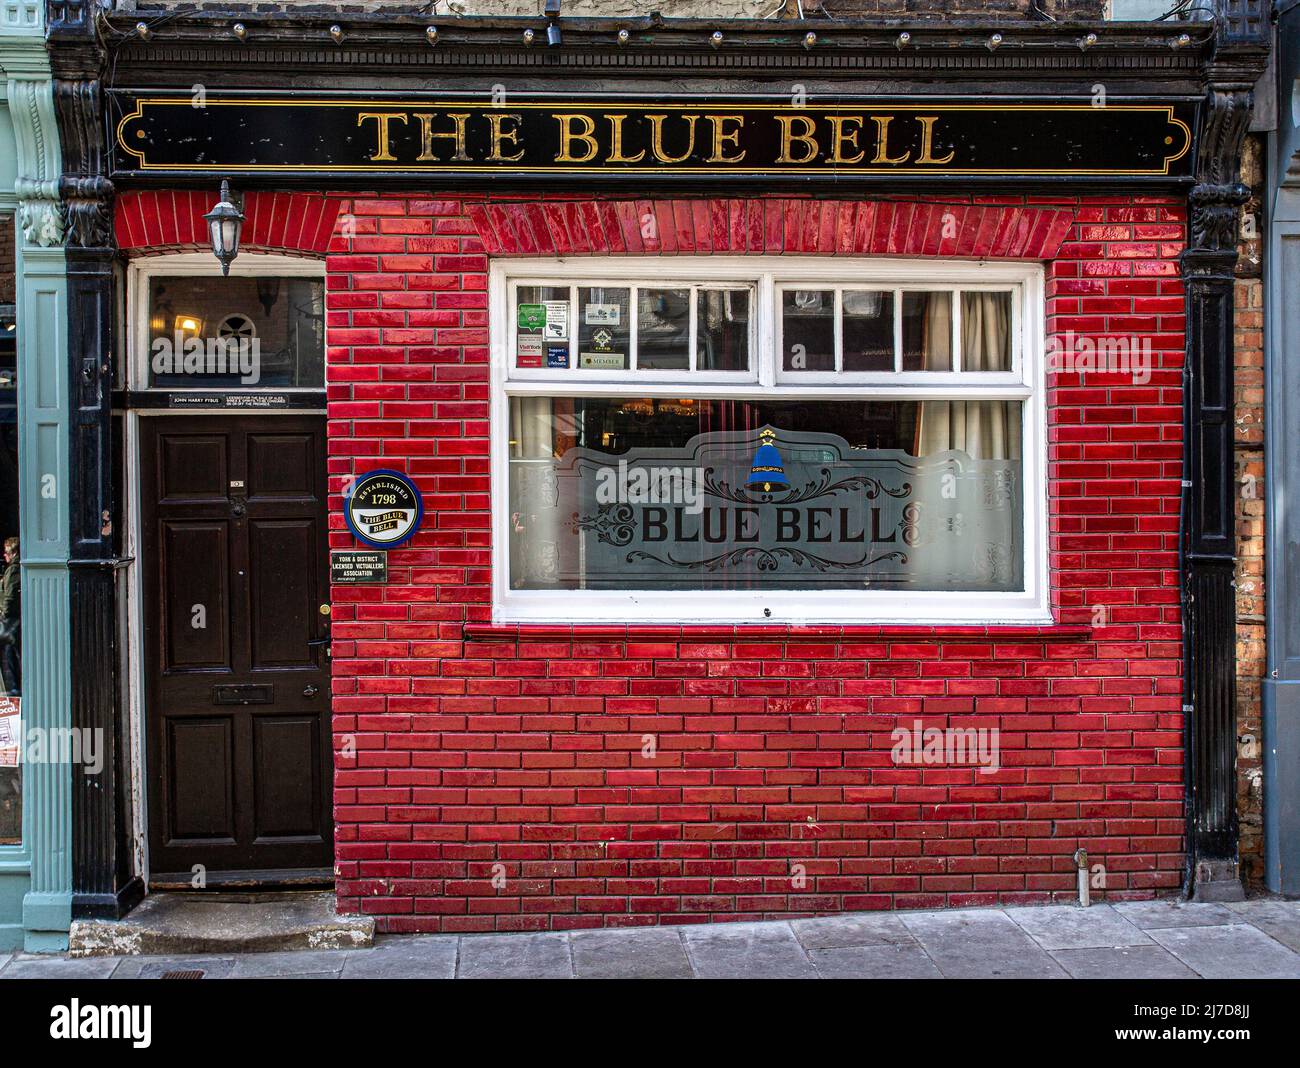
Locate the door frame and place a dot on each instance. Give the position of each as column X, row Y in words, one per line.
column 136, row 334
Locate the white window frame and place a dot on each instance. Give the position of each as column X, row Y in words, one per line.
column 200, row 264
column 1026, row 382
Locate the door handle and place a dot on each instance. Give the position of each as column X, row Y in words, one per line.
column 310, row 691
column 315, row 643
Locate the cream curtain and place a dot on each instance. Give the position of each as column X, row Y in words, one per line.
column 535, row 515
column 984, row 430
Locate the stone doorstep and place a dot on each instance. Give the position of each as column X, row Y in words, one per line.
column 217, row 923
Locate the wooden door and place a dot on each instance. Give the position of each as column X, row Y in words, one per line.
column 234, row 558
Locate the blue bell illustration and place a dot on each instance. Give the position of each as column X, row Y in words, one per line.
column 767, row 472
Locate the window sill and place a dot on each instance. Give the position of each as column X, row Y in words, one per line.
column 509, row 632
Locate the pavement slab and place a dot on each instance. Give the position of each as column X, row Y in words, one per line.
column 292, row 964
column 646, row 953
column 1123, row 962
column 1166, row 912
column 1072, row 927
column 1277, row 919
column 50, row 967
column 156, row 967
column 980, row 944
column 890, row 961
column 515, row 956
column 400, row 957
column 747, row 951
column 838, row 932
column 1230, row 952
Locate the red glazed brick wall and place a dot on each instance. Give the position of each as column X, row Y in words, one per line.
column 493, row 779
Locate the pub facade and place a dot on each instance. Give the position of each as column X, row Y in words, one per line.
column 551, row 472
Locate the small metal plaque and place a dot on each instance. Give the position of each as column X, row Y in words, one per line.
column 355, row 568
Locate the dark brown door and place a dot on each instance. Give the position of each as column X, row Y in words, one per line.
column 234, row 557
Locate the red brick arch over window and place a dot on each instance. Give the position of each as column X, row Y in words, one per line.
column 172, row 219
column 769, row 225
column 302, row 223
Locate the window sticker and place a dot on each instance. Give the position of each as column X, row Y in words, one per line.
column 530, row 350
column 557, row 320
column 557, row 355
column 602, row 361
column 532, row 316
column 603, row 314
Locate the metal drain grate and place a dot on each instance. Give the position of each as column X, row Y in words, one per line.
column 191, row 973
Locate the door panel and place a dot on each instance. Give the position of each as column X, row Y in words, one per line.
column 234, row 557
column 284, row 600
column 196, row 562
column 201, row 777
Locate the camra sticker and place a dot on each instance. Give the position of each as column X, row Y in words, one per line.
column 384, row 509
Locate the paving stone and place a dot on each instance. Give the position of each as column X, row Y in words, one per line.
column 648, row 953
column 1123, row 962
column 296, row 964
column 1168, row 912
column 515, row 956
column 980, row 944
column 875, row 962
column 296, row 975
column 1276, row 918
column 1072, row 927
column 50, row 967
column 747, row 951
column 1235, row 951
column 858, row 929
column 414, row 957
column 154, row 967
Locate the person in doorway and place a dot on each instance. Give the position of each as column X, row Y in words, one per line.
column 11, row 620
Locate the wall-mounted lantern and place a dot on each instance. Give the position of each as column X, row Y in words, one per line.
column 225, row 222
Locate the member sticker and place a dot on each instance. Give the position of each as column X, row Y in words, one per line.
column 384, row 509
column 601, row 361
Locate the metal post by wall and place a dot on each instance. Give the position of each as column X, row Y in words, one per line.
column 1281, row 690
column 1207, row 538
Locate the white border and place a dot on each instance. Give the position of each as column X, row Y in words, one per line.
column 1027, row 382
column 137, row 337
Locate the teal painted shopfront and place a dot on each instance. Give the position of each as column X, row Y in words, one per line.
column 35, row 779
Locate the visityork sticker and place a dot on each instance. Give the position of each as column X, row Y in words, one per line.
column 384, row 509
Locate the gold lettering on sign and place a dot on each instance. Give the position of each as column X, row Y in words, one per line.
column 568, row 136
column 723, row 137
column 501, row 136
column 382, row 143
column 657, row 138
column 841, row 136
column 882, row 141
column 616, row 142
column 789, row 138
column 456, row 136
column 927, row 141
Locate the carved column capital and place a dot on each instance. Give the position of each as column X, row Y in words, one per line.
column 31, row 107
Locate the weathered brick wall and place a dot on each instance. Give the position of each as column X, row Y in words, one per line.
column 1249, row 416
column 8, row 260
column 495, row 780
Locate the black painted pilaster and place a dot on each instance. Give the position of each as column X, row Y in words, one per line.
column 1207, row 542
column 101, row 878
